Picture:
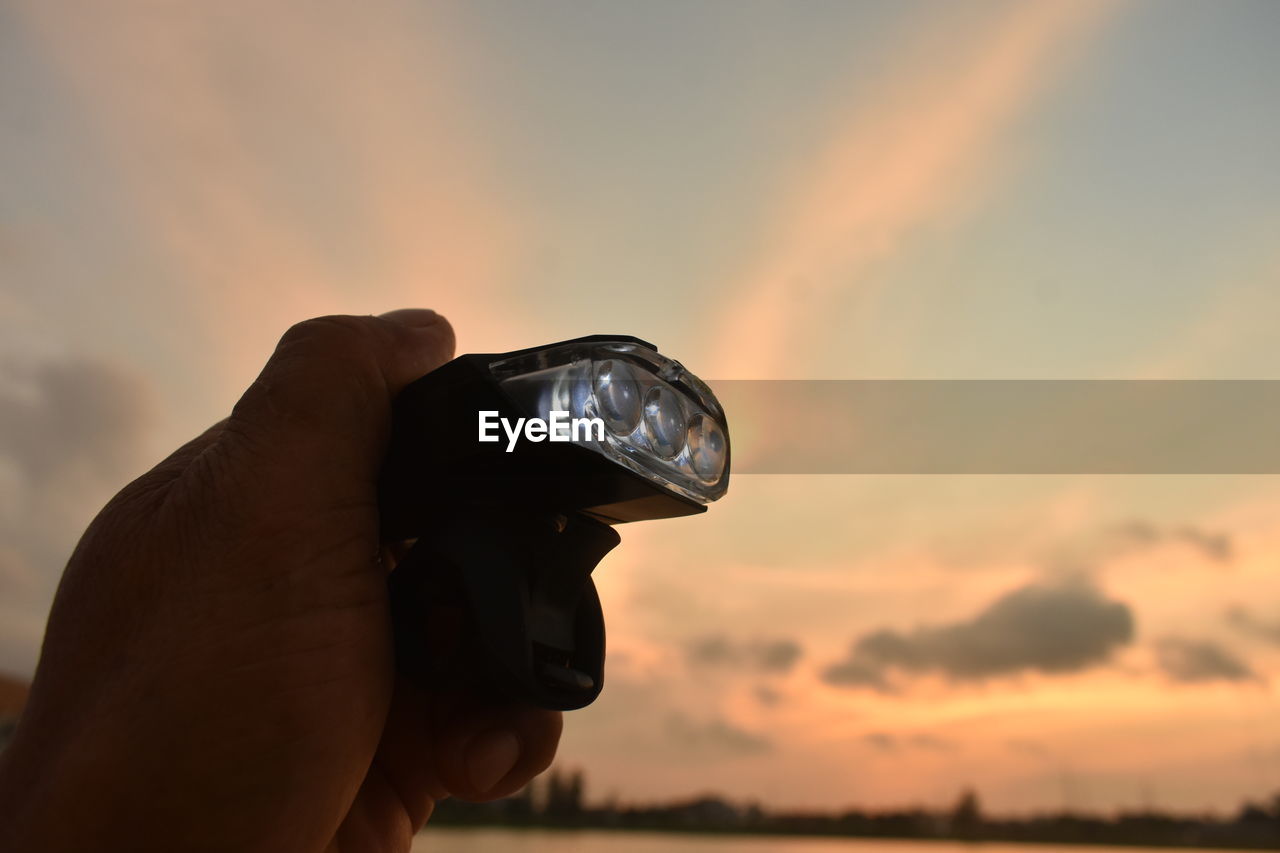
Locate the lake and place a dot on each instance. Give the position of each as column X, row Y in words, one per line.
column 457, row 840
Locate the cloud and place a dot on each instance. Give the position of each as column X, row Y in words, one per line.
column 1215, row 546
column 888, row 742
column 881, row 740
column 1084, row 553
column 925, row 740
column 1046, row 628
column 1244, row 619
column 74, row 414
column 768, row 656
column 856, row 672
column 1196, row 661
column 1025, row 746
column 716, row 735
column 905, row 160
column 767, row 696
column 71, row 434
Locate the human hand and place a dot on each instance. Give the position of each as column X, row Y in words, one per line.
column 217, row 672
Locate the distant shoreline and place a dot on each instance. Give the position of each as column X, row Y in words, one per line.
column 434, row 826
column 559, row 806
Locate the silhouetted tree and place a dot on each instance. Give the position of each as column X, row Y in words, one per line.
column 577, row 792
column 966, row 818
column 564, row 794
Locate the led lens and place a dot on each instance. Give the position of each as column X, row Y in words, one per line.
column 664, row 421
column 660, row 421
column 706, row 448
column 618, row 396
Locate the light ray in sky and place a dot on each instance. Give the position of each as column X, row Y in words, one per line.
column 899, row 162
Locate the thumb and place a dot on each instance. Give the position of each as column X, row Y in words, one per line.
column 321, row 407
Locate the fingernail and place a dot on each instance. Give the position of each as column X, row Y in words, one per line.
column 411, row 316
column 490, row 757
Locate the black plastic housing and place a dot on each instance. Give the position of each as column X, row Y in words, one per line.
column 506, row 541
column 435, row 464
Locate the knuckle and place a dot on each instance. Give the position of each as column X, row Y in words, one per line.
column 332, row 333
column 329, row 355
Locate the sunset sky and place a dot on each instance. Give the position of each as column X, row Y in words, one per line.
column 1079, row 189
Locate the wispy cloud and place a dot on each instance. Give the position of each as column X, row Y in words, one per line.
column 1250, row 623
column 1090, row 549
column 282, row 161
column 902, row 161
column 776, row 656
column 716, row 735
column 893, row 742
column 1195, row 661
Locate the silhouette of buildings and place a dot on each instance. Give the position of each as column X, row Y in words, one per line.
column 558, row 799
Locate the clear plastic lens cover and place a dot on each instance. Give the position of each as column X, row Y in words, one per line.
column 660, row 420
column 708, row 448
column 617, row 395
column 664, row 421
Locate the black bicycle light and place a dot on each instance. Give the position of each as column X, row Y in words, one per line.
column 509, row 471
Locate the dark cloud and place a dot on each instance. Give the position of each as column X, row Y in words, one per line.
column 855, row 672
column 1057, row 628
column 767, row 696
column 887, row 742
column 881, row 740
column 1215, row 546
column 1028, row 747
column 777, row 656
column 924, row 740
column 1194, row 661
column 1086, row 553
column 716, row 735
column 73, row 414
column 1246, row 621
column 71, row 434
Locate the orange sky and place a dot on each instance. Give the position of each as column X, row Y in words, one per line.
column 886, row 189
